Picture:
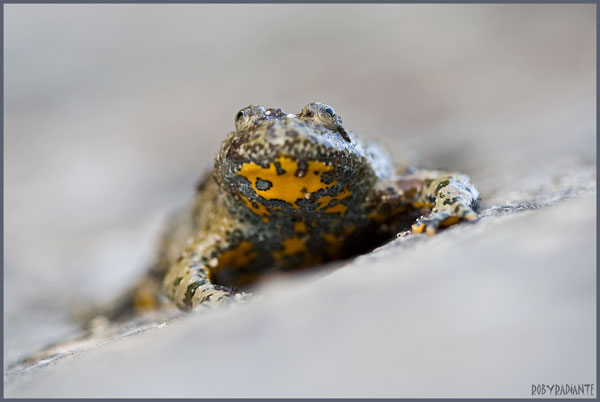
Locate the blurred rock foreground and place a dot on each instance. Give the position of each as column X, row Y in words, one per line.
column 107, row 130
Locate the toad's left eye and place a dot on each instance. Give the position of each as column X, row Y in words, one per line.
column 326, row 111
column 328, row 117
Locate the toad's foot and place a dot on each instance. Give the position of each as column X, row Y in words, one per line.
column 446, row 217
column 213, row 297
column 451, row 196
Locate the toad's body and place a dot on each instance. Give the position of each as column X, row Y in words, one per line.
column 288, row 192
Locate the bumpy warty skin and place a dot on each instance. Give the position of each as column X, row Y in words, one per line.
column 290, row 191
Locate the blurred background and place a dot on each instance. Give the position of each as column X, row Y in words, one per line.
column 113, row 112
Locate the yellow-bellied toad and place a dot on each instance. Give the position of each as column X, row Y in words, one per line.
column 287, row 192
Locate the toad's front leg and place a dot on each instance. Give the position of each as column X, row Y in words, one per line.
column 188, row 282
column 451, row 197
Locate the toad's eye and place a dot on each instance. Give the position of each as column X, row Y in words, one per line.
column 327, row 116
column 328, row 110
column 242, row 120
column 249, row 117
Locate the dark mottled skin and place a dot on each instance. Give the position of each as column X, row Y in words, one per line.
column 289, row 192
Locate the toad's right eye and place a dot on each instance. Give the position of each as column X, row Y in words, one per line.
column 248, row 117
column 242, row 120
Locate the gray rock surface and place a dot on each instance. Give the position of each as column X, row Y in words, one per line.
column 106, row 130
